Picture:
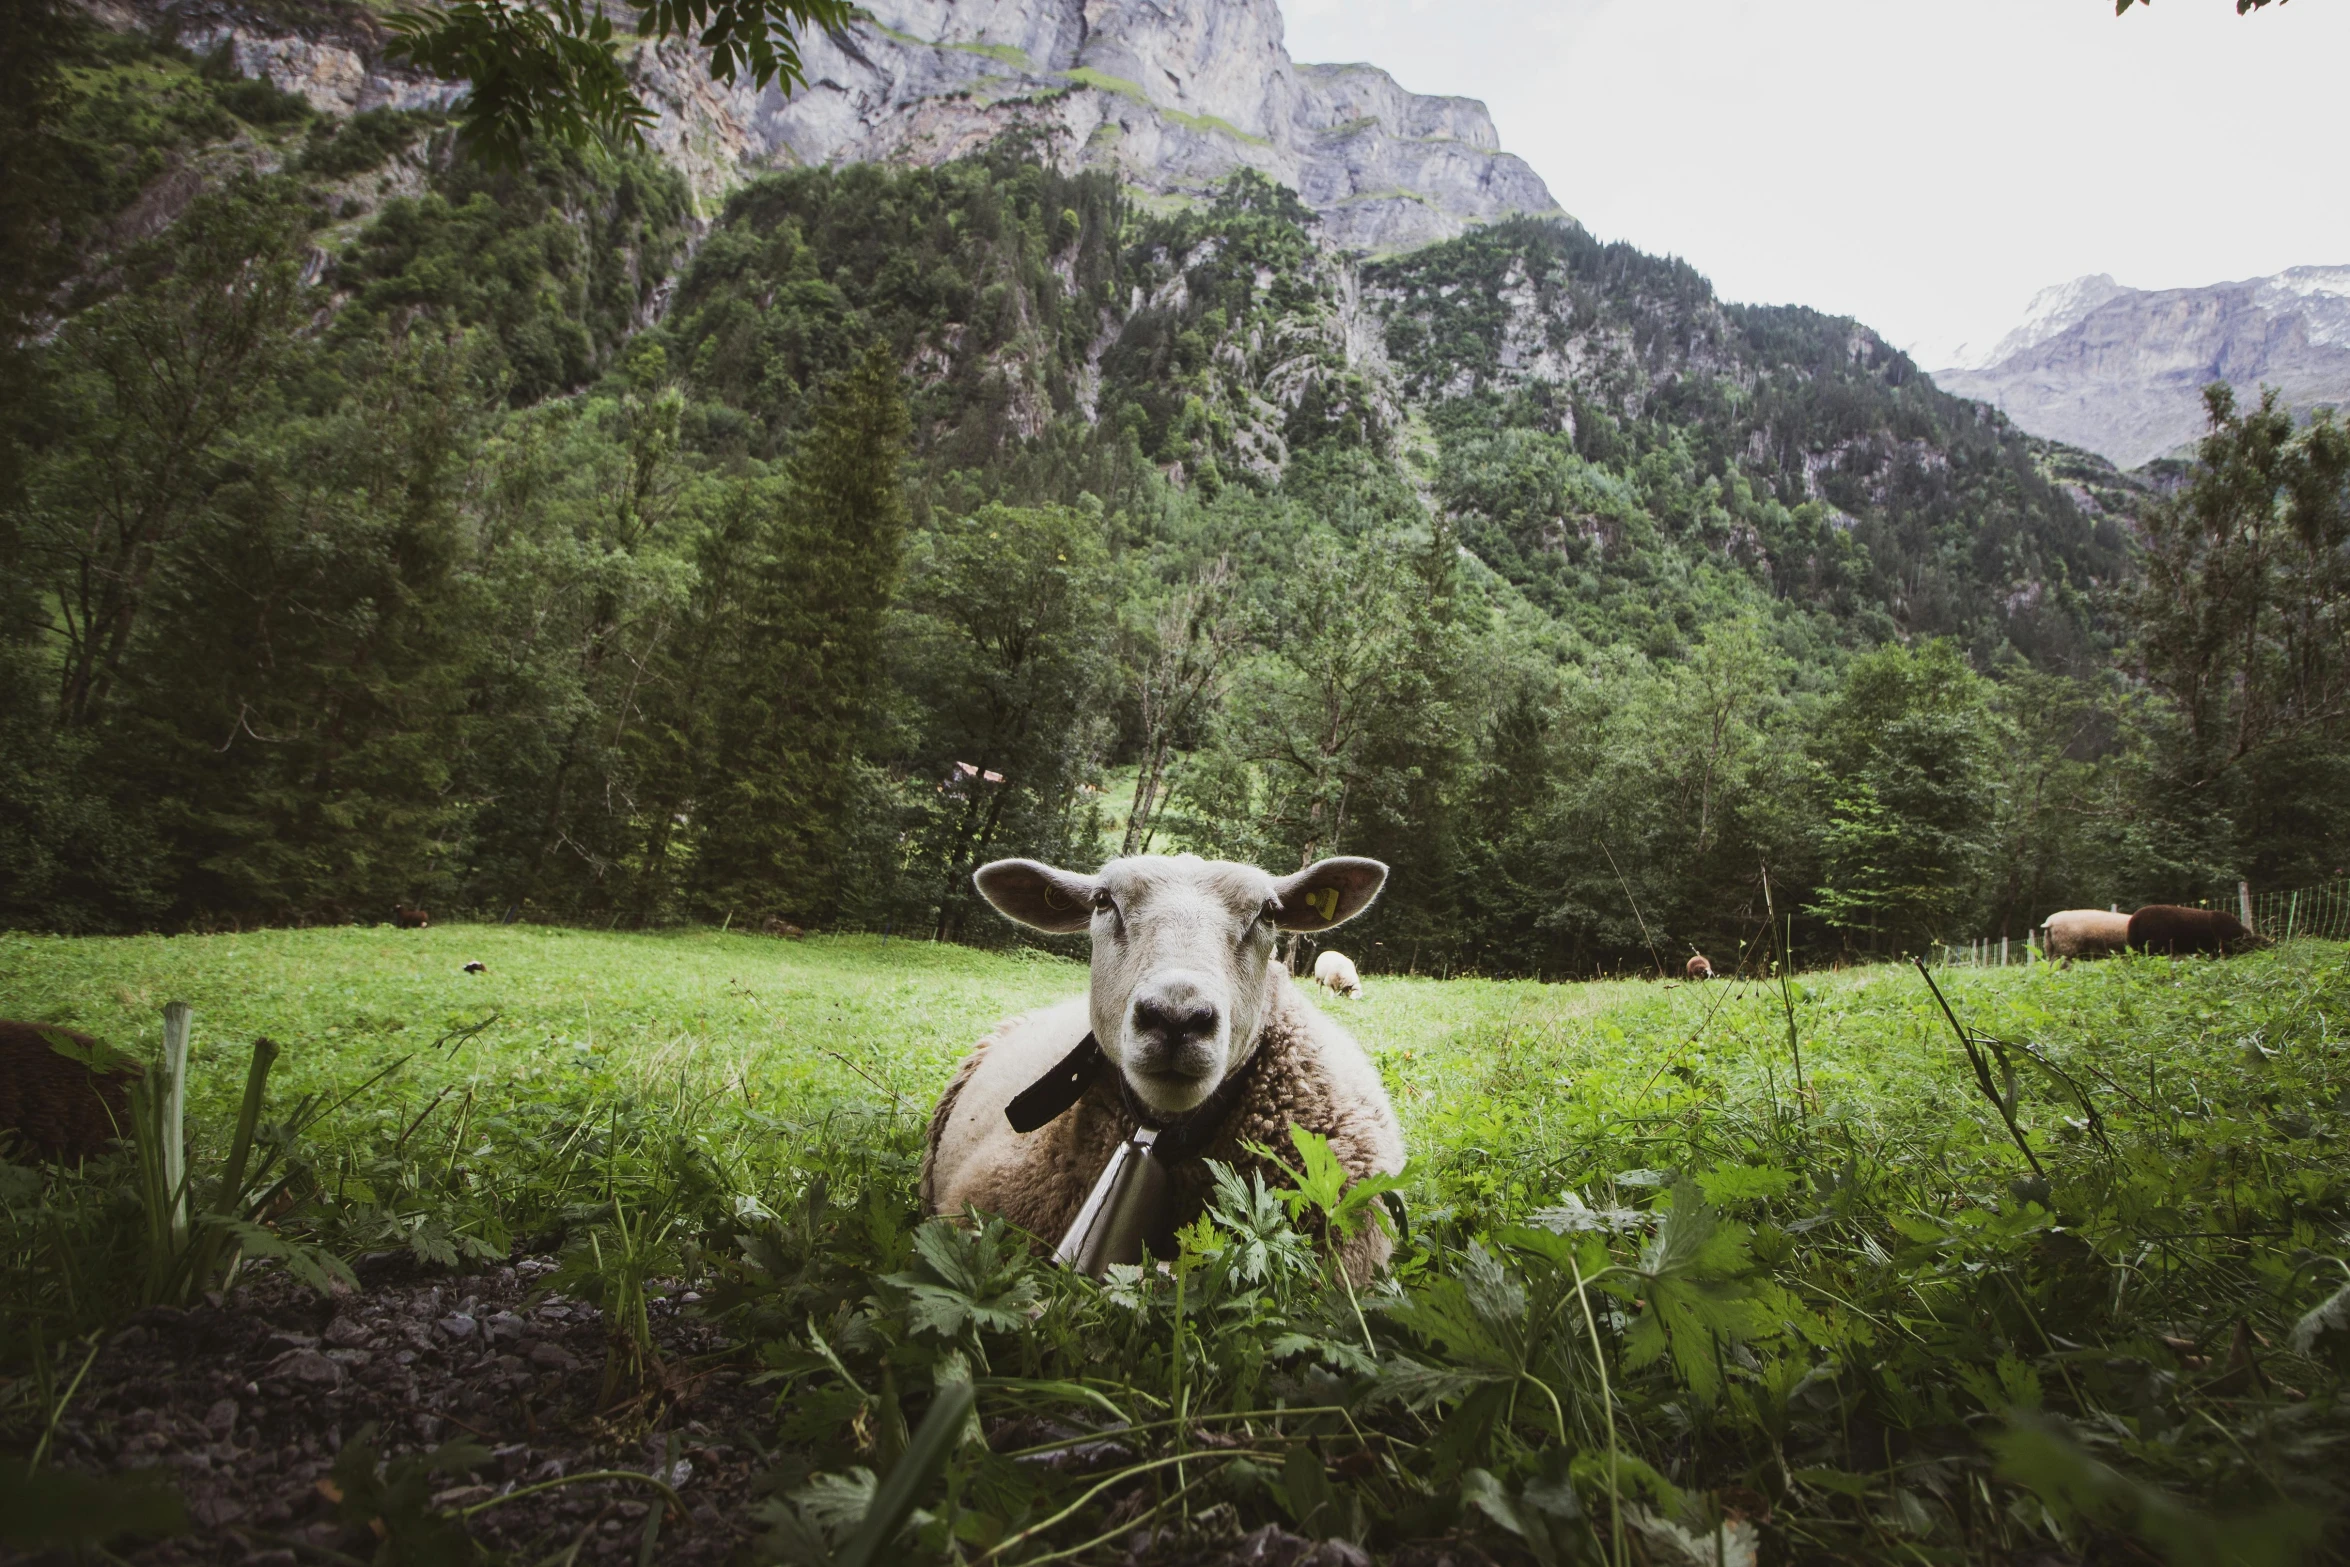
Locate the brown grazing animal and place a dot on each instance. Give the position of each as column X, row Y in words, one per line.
column 784, row 928
column 2084, row 933
column 2164, row 927
column 1697, row 967
column 409, row 919
column 55, row 1107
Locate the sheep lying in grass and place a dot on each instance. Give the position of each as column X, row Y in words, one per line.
column 1336, row 971
column 1199, row 1033
column 53, row 1107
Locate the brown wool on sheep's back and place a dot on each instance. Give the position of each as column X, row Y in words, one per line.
column 55, row 1108
column 1698, row 968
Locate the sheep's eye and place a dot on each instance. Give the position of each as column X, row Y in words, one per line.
column 1269, row 913
column 1101, row 901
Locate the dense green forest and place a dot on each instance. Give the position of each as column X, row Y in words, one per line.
column 379, row 527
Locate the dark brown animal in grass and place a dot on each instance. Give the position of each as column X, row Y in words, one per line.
column 1697, row 967
column 409, row 919
column 2166, row 928
column 784, row 928
column 53, row 1107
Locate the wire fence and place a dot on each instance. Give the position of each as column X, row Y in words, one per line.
column 2322, row 912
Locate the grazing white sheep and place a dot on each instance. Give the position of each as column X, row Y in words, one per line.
column 1336, row 971
column 2084, row 933
column 1189, row 1027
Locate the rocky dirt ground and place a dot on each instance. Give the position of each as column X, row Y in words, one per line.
column 246, row 1401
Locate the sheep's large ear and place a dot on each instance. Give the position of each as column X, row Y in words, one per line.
column 1327, row 893
column 1038, row 895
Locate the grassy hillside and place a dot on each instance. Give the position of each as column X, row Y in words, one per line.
column 1848, row 1314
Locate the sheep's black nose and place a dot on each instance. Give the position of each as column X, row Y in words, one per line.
column 1175, row 1019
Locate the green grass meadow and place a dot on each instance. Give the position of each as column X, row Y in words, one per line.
column 1660, row 1283
column 1483, row 1072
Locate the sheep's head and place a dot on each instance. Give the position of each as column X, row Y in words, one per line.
column 1181, row 952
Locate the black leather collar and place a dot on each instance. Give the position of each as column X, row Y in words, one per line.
column 1051, row 1095
column 1045, row 1099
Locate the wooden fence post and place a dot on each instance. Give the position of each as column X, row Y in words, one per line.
column 2244, row 902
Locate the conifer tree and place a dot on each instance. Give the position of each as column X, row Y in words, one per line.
column 2244, row 624
column 1905, row 765
column 799, row 709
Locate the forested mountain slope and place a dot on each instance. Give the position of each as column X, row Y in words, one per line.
column 1631, row 454
column 532, row 546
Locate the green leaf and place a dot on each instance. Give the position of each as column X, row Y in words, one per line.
column 1836, row 1480
column 2323, row 1333
column 534, row 70
column 1321, row 1183
column 1740, row 1182
column 1068, row 1392
column 97, row 1055
column 967, row 1280
column 314, row 1266
column 1474, row 1314
column 63, row 1507
column 838, row 1503
column 1541, row 1511
column 393, row 1501
column 549, row 68
column 1690, row 1283
column 925, row 1458
column 2037, row 1453
column 1312, row 1500
column 1417, row 1385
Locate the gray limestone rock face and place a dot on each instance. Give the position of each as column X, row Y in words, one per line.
column 332, row 61
column 1174, row 97
column 2121, row 371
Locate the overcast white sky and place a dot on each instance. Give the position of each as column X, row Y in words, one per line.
column 1924, row 165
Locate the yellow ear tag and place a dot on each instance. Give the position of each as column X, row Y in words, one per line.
column 1055, row 898
column 1324, row 903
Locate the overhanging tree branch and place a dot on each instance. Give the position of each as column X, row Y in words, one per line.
column 551, row 69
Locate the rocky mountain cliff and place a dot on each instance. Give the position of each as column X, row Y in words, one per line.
column 2120, row 371
column 1172, row 98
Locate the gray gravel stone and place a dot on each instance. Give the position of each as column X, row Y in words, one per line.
column 306, row 1367
column 348, row 1332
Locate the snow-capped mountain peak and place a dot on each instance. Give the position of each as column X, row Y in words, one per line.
column 2051, row 311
